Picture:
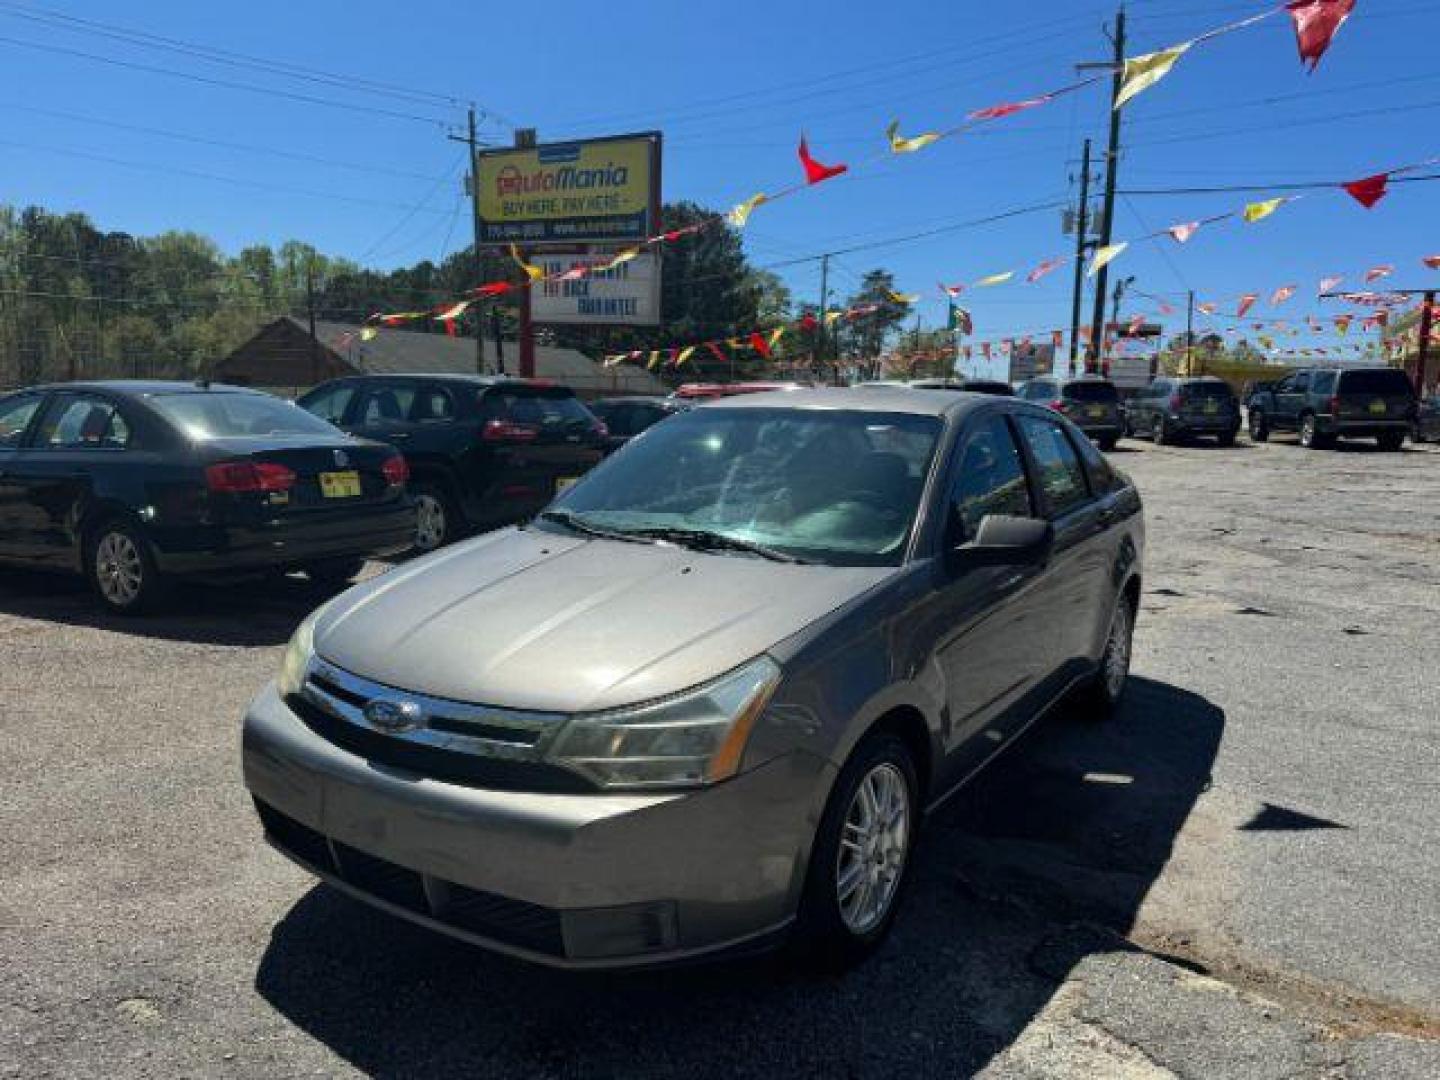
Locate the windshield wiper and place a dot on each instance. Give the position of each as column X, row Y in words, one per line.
column 704, row 540
column 580, row 525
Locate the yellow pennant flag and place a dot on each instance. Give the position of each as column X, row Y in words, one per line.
column 534, row 273
column 902, row 298
column 1143, row 72
column 368, row 333
column 1259, row 211
column 654, row 359
column 1105, row 256
column 994, row 279
column 622, row 258
column 901, row 145
column 453, row 312
column 612, row 361
column 831, row 316
column 740, row 214
column 685, row 355
column 776, row 335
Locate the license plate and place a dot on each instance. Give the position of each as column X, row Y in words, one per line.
column 340, row 485
column 564, row 482
column 1212, row 407
column 1096, row 412
column 1378, row 408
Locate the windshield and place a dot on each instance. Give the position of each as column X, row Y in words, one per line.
column 1091, row 391
column 1378, row 381
column 838, row 487
column 223, row 416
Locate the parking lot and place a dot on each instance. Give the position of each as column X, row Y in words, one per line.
column 1236, row 878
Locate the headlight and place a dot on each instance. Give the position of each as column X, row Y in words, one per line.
column 297, row 656
column 697, row 737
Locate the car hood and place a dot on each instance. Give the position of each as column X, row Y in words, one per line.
column 533, row 620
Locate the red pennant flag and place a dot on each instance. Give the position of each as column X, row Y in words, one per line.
column 1207, row 308
column 1432, row 261
column 1246, row 303
column 494, row 288
column 716, row 351
column 1137, row 322
column 1375, row 273
column 1326, row 284
column 985, row 349
column 808, row 322
column 995, row 112
column 1316, row 23
column 1043, row 269
column 759, row 344
column 1382, row 317
column 450, row 328
column 815, row 172
column 1280, row 295
column 1166, row 309
column 1184, row 232
column 951, row 291
column 1369, row 191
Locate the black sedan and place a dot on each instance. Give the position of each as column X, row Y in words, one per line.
column 132, row 483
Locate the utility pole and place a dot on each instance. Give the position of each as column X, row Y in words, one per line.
column 820, row 341
column 1422, row 353
column 495, row 333
column 1190, row 335
column 310, row 308
column 1120, row 287
column 1082, row 227
column 1112, row 164
column 477, row 269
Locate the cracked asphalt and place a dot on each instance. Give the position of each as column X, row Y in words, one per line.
column 1239, row 877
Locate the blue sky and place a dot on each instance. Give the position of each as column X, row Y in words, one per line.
column 732, row 85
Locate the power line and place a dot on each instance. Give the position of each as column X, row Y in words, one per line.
column 228, row 84
column 1216, row 189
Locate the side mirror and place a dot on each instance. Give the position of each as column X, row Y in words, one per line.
column 1003, row 540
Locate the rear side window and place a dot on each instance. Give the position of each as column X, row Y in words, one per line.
column 989, row 476
column 15, row 417
column 1302, row 383
column 1219, row 391
column 202, row 415
column 432, row 405
column 1061, row 476
column 388, row 405
column 330, row 404
column 1387, row 381
column 1091, row 391
column 534, row 408
column 1323, row 383
column 74, row 422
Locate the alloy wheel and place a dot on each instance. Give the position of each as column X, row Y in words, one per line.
column 1307, row 431
column 429, row 522
column 1117, row 652
column 119, row 569
column 873, row 847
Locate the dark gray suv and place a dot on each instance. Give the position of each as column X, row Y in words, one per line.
column 1090, row 402
column 704, row 701
column 1323, row 404
column 1173, row 409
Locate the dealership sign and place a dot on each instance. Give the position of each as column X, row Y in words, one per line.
column 595, row 191
column 625, row 295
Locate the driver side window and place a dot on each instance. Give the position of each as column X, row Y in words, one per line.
column 989, row 476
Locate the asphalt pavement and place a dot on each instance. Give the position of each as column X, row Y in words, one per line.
column 1239, row 876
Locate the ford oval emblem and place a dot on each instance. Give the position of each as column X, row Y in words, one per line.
column 394, row 716
column 341, row 458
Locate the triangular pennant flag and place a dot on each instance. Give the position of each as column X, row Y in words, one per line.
column 901, row 298
column 809, row 323
column 759, row 344
column 994, row 279
column 534, row 273
column 901, row 145
column 1207, row 308
column 1183, row 232
column 1043, row 269
column 815, row 172
column 1375, row 273
column 995, row 112
column 1142, row 72
column 960, row 320
column 1280, row 295
column 1259, row 211
column 1382, row 317
column 776, row 335
column 985, row 349
column 716, row 351
column 619, row 260
column 1432, row 261
column 1342, row 324
column 684, row 354
column 450, row 329
column 1316, row 24
column 453, row 312
column 740, row 213
column 1105, row 256
column 1166, row 309
column 1369, row 191
column 493, row 288
column 951, row 291
column 1246, row 303
column 1326, row 284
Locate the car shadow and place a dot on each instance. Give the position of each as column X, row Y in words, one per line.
column 248, row 611
column 1042, row 860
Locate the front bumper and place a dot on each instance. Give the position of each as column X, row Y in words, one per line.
column 368, row 532
column 592, row 880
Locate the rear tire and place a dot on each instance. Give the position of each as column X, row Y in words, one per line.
column 437, row 518
column 1259, row 429
column 1161, row 433
column 1107, row 442
column 1103, row 694
column 334, row 573
column 1391, row 441
column 122, row 570
column 1227, row 439
column 1310, row 436
column 861, row 856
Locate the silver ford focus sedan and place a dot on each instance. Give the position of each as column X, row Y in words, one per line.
column 702, row 703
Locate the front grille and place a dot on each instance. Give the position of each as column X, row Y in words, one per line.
column 453, row 766
column 499, row 918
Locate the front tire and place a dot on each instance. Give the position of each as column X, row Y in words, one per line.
column 861, row 855
column 122, row 570
column 1310, row 436
column 1102, row 696
column 1391, row 441
column 1259, row 429
column 1226, row 439
column 1107, row 442
column 1161, row 433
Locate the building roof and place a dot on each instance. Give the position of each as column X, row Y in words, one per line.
column 409, row 352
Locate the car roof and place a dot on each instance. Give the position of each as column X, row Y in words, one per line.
column 144, row 387
column 649, row 399
column 899, row 399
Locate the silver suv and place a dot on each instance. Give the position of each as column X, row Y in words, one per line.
column 702, row 703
